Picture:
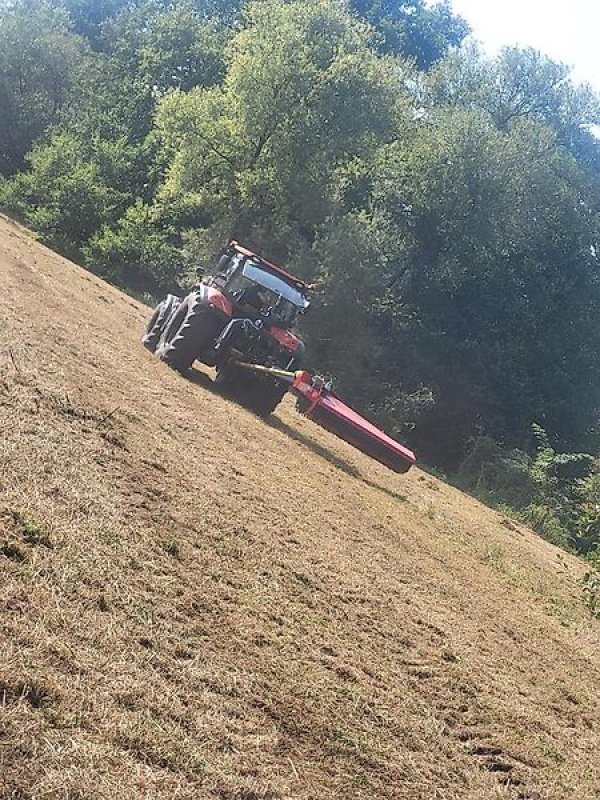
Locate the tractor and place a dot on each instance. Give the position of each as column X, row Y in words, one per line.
column 239, row 319
column 242, row 311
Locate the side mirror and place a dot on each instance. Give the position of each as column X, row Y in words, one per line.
column 200, row 272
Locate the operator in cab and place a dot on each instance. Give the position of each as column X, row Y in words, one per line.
column 256, row 296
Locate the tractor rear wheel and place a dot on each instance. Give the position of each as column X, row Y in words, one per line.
column 189, row 331
column 158, row 320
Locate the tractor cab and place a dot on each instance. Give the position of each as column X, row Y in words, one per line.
column 258, row 289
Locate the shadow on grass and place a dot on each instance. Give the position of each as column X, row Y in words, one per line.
column 319, row 449
column 201, row 379
column 330, row 456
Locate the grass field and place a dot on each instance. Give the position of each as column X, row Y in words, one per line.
column 198, row 604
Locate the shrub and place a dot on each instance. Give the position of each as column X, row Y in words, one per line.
column 498, row 476
column 142, row 252
column 546, row 522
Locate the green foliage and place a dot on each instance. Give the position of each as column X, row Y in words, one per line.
column 556, row 494
column 42, row 66
column 498, row 271
column 414, row 29
column 33, row 531
column 498, row 476
column 303, row 95
column 521, row 85
column 587, row 519
column 140, row 252
column 591, row 591
column 60, row 187
column 68, row 192
column 341, row 335
column 166, row 47
column 560, row 480
column 547, row 523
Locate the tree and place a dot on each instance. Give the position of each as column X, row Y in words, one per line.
column 520, row 84
column 42, row 66
column 69, row 191
column 142, row 251
column 500, row 275
column 303, row 95
column 170, row 47
column 413, row 29
column 90, row 18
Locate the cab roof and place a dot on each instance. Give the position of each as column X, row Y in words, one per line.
column 282, row 273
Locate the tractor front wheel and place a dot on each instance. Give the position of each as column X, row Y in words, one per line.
column 265, row 396
column 256, row 393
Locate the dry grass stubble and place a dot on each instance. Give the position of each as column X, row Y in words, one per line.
column 197, row 604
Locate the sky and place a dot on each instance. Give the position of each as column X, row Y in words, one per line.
column 567, row 32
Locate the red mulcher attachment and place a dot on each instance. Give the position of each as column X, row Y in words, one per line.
column 317, row 402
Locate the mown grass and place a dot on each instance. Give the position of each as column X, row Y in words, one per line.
column 198, row 605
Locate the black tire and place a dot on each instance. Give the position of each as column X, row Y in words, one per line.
column 158, row 320
column 268, row 393
column 225, row 377
column 266, row 396
column 302, row 404
column 257, row 393
column 189, row 331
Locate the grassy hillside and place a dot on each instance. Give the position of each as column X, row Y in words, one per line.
column 197, row 604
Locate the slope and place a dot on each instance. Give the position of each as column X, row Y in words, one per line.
column 197, row 604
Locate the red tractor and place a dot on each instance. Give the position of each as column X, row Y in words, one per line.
column 239, row 319
column 243, row 311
